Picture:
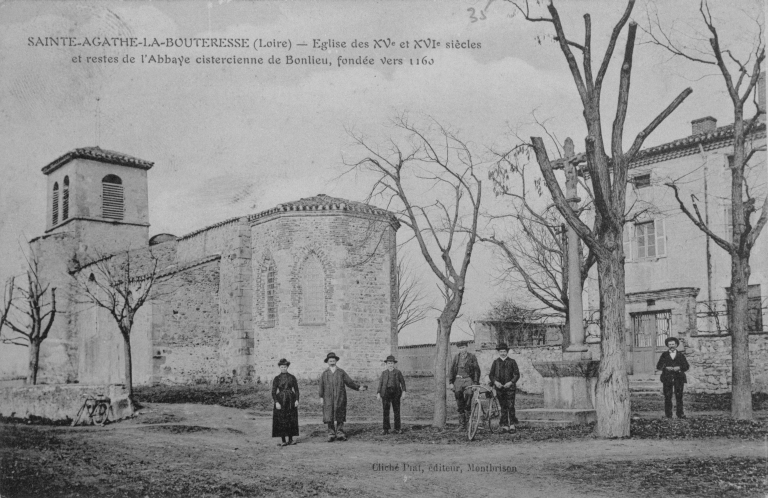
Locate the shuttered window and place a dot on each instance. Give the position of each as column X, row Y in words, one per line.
column 649, row 242
column 270, row 307
column 55, row 204
column 313, row 289
column 112, row 203
column 65, row 200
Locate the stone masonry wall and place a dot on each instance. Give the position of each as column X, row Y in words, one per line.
column 215, row 239
column 59, row 402
column 355, row 254
column 186, row 335
column 420, row 360
column 710, row 360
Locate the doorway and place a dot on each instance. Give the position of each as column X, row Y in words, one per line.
column 649, row 331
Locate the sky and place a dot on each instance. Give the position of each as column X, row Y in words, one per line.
column 231, row 140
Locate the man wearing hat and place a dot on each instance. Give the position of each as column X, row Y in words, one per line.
column 333, row 394
column 673, row 366
column 504, row 376
column 391, row 389
column 465, row 371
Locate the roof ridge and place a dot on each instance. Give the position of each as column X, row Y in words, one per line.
column 96, row 153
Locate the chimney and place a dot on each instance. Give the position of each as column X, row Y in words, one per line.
column 761, row 96
column 703, row 125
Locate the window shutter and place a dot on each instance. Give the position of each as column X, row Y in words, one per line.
column 55, row 213
column 627, row 242
column 661, row 238
column 112, row 201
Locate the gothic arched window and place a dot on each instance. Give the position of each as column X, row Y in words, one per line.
column 55, row 204
column 112, row 197
column 269, row 279
column 65, row 200
column 313, row 290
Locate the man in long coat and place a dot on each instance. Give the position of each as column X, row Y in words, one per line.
column 673, row 366
column 333, row 394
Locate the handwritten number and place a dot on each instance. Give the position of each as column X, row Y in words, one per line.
column 472, row 14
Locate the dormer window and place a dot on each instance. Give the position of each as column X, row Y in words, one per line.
column 112, row 204
column 65, row 200
column 55, row 204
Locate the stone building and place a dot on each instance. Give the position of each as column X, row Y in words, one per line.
column 676, row 278
column 295, row 281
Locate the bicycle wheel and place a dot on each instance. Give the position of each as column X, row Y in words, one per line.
column 494, row 415
column 474, row 420
column 101, row 414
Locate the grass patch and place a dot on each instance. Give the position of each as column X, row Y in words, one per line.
column 734, row 477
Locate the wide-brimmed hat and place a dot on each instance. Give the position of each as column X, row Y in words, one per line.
column 283, row 361
column 677, row 341
column 331, row 355
column 502, row 346
column 390, row 358
column 462, row 344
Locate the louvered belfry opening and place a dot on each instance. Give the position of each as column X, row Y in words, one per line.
column 112, row 204
column 65, row 200
column 55, row 204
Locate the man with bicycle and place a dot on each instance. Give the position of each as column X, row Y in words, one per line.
column 465, row 371
column 504, row 376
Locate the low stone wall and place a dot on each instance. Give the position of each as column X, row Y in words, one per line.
column 59, row 402
column 419, row 361
column 710, row 360
column 530, row 381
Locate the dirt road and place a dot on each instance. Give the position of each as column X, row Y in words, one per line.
column 184, row 450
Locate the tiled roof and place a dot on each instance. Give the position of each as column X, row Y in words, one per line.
column 97, row 154
column 322, row 202
column 716, row 139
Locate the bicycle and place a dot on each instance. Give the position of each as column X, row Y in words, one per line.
column 95, row 409
column 485, row 410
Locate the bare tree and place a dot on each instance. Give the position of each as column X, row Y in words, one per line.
column 741, row 74
column 608, row 176
column 535, row 249
column 410, row 307
column 431, row 161
column 35, row 311
column 114, row 283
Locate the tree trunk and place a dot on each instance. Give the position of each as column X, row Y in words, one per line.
column 741, row 383
column 612, row 396
column 442, row 354
column 128, row 366
column 34, row 362
column 442, row 351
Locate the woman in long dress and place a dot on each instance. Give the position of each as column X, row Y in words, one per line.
column 285, row 414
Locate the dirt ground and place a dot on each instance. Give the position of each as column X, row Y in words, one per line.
column 209, row 450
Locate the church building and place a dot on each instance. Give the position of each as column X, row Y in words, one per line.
column 296, row 281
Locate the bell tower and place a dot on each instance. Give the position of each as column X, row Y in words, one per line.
column 97, row 204
column 101, row 197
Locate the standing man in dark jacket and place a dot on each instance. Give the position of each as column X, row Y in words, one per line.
column 673, row 366
column 504, row 376
column 465, row 371
column 391, row 389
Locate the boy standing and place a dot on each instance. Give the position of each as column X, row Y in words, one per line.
column 391, row 390
column 504, row 376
